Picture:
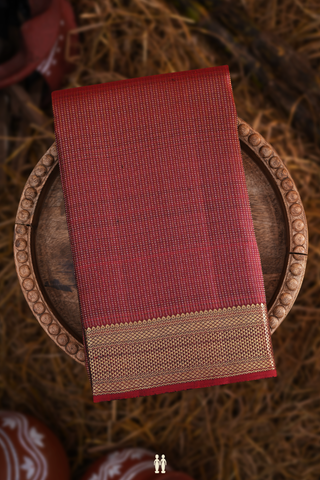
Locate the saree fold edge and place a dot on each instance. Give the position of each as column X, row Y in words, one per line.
column 189, row 350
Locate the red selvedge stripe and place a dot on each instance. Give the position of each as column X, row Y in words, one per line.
column 186, row 386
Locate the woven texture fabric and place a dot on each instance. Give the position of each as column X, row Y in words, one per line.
column 160, row 225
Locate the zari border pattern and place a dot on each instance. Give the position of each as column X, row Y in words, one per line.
column 177, row 349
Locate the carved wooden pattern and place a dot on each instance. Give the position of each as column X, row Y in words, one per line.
column 280, row 178
column 296, row 223
column 24, row 258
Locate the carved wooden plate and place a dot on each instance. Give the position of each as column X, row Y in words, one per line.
column 43, row 256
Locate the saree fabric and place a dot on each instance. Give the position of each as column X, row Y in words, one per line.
column 166, row 262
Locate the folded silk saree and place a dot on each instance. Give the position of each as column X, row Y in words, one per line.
column 166, row 262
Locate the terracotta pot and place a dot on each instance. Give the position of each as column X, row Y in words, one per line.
column 43, row 44
column 29, row 450
column 130, row 464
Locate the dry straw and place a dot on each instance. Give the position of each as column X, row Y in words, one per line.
column 266, row 429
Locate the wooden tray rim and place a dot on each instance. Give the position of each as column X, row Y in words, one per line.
column 282, row 181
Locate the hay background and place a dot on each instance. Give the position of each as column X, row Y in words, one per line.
column 266, row 429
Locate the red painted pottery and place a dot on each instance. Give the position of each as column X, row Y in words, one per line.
column 132, row 464
column 44, row 40
column 29, row 450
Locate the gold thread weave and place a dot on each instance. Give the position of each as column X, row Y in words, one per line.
column 179, row 349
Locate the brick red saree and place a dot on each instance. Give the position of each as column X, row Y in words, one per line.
column 166, row 262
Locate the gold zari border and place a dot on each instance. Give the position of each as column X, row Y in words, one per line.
column 179, row 349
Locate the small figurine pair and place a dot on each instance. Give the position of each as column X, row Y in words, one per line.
column 162, row 462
